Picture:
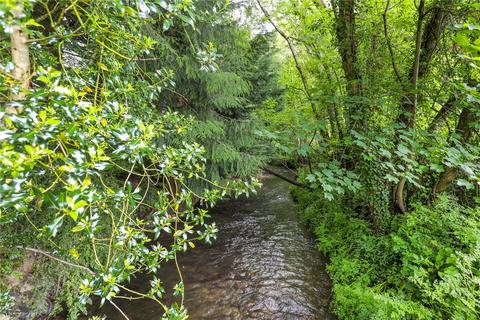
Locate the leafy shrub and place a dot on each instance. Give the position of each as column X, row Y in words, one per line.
column 6, row 302
column 360, row 302
column 92, row 175
column 427, row 267
column 440, row 254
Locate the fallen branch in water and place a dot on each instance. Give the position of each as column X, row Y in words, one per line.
column 291, row 181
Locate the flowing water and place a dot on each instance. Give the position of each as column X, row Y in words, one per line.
column 262, row 266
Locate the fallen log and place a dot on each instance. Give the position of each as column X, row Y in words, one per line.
column 285, row 178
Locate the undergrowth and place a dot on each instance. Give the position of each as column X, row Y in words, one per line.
column 426, row 266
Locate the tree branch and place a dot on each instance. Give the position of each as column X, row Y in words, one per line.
column 295, row 58
column 389, row 44
column 418, row 47
column 119, row 310
column 411, row 106
column 442, row 114
column 47, row 254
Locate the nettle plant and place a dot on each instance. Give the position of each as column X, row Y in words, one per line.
column 83, row 153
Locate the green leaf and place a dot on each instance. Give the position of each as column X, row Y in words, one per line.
column 42, row 115
column 73, row 214
column 54, row 227
column 30, row 150
column 436, row 167
column 80, row 204
column 79, row 227
column 70, row 202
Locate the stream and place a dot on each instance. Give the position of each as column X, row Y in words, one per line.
column 262, row 266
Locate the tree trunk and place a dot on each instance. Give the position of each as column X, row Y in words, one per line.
column 21, row 75
column 464, row 131
column 331, row 119
column 408, row 106
column 345, row 21
column 285, row 178
column 21, row 62
column 425, row 46
column 333, row 109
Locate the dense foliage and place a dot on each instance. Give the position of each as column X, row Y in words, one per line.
column 122, row 122
column 216, row 80
column 100, row 172
column 426, row 267
column 383, row 101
